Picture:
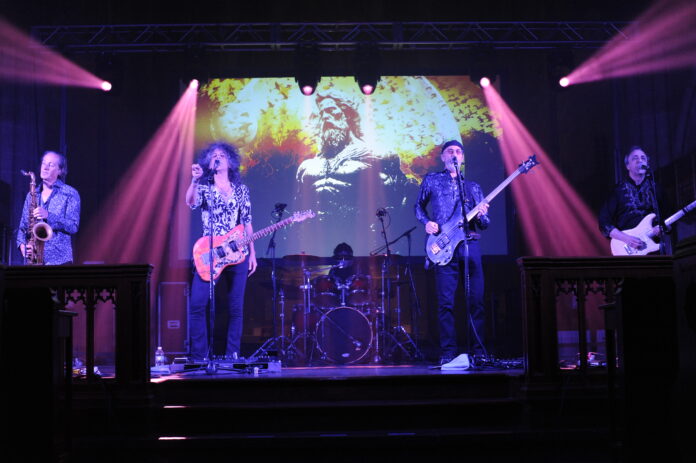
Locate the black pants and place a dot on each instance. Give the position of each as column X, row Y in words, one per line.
column 447, row 278
column 236, row 277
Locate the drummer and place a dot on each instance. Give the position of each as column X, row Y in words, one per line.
column 344, row 266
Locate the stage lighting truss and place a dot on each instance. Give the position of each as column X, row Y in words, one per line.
column 329, row 36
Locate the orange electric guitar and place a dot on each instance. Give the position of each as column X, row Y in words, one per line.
column 229, row 249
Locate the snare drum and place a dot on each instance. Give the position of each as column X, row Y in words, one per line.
column 344, row 335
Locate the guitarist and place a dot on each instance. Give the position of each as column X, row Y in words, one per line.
column 217, row 189
column 440, row 191
column 632, row 199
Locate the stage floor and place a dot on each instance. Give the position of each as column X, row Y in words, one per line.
column 337, row 372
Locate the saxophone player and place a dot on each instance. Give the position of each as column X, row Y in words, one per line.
column 58, row 206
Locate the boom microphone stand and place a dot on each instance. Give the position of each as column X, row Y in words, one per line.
column 465, row 243
column 211, row 366
column 275, row 339
column 649, row 176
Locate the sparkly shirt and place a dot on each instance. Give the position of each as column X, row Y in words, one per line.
column 439, row 190
column 63, row 206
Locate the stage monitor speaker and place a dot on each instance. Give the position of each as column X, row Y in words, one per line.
column 172, row 317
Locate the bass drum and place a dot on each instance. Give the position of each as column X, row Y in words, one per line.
column 344, row 335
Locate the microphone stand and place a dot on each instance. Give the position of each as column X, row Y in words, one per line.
column 415, row 314
column 385, row 263
column 465, row 226
column 649, row 176
column 211, row 366
column 278, row 215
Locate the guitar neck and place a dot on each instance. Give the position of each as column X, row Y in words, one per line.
column 266, row 231
column 472, row 213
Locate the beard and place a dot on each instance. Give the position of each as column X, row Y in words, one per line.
column 333, row 141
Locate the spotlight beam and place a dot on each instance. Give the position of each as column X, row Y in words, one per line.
column 663, row 38
column 149, row 198
column 554, row 219
column 23, row 59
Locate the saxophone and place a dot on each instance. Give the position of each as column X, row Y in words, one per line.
column 38, row 231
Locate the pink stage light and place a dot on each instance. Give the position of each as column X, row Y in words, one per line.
column 484, row 82
column 564, row 82
column 661, row 39
column 307, row 90
column 145, row 218
column 106, row 86
column 554, row 219
column 22, row 59
column 194, row 84
column 367, row 89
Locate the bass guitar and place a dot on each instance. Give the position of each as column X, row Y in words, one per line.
column 440, row 246
column 644, row 232
column 229, row 249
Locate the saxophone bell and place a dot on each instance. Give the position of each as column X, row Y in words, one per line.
column 42, row 231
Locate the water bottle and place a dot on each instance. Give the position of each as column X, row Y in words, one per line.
column 160, row 359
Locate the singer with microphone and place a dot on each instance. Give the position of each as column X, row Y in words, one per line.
column 440, row 193
column 634, row 197
column 225, row 202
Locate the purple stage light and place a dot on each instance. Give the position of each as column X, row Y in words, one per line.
column 661, row 39
column 23, row 59
column 544, row 196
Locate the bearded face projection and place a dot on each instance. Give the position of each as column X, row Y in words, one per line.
column 345, row 155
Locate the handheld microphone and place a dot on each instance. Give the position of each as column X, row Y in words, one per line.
column 644, row 167
column 216, row 165
column 381, row 212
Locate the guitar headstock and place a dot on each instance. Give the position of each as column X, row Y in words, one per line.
column 527, row 165
column 299, row 216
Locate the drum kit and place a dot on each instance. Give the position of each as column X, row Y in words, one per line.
column 334, row 314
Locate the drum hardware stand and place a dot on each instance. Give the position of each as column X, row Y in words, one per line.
column 305, row 334
column 398, row 330
column 275, row 342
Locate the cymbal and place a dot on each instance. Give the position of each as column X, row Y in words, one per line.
column 393, row 258
column 301, row 260
column 292, row 272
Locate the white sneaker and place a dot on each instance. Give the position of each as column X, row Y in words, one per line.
column 461, row 362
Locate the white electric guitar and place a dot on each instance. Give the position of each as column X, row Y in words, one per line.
column 644, row 232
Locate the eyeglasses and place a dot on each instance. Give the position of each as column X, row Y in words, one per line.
column 50, row 165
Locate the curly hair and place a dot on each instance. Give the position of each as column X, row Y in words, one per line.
column 233, row 159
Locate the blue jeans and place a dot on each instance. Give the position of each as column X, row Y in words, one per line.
column 235, row 277
column 447, row 278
